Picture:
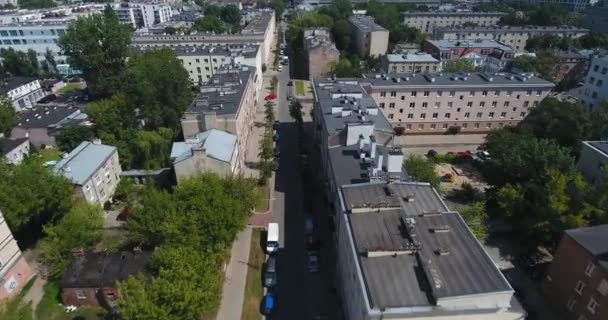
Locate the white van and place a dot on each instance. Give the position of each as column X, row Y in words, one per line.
column 272, row 239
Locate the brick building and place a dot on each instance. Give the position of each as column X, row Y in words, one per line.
column 577, row 281
column 496, row 54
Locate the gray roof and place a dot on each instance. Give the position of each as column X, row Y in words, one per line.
column 328, row 93
column 80, row 164
column 365, row 23
column 223, row 93
column 456, row 80
column 259, row 24
column 452, row 13
column 44, row 117
column 9, row 145
column 318, row 37
column 411, row 57
column 384, row 222
column 14, row 83
column 593, row 239
column 349, row 168
column 444, row 45
column 512, row 29
column 211, row 50
column 601, row 146
column 217, row 144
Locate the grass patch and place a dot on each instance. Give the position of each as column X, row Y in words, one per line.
column 69, row 87
column 50, row 307
column 253, row 286
column 50, row 154
column 300, row 91
column 16, row 309
column 263, row 204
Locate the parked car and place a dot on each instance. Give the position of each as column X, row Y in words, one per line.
column 268, row 303
column 313, row 262
column 280, row 68
column 308, row 225
column 290, row 83
column 270, row 275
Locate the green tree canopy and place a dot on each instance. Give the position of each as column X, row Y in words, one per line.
column 475, row 216
column 8, row 117
column 342, row 32
column 209, row 23
column 71, row 137
column 19, row 63
column 231, row 14
column 421, row 169
column 460, row 65
column 98, row 46
column 36, row 4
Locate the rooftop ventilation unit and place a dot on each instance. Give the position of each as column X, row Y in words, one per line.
column 431, row 213
column 439, row 229
column 409, row 198
column 442, row 251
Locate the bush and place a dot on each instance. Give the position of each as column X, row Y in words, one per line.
column 399, row 131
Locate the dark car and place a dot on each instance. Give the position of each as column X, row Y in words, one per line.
column 270, row 274
column 312, row 264
column 290, row 83
column 48, row 98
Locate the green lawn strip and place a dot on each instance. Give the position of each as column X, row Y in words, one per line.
column 50, row 154
column 50, row 307
column 253, row 286
column 69, row 87
column 300, row 88
column 264, row 200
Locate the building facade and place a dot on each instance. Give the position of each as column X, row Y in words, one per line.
column 595, row 85
column 574, row 5
column 576, row 283
column 14, row 270
column 321, row 52
column 228, row 103
column 93, row 169
column 143, row 14
column 467, row 103
column 370, row 38
column 42, row 124
column 23, row 92
column 514, row 36
column 427, row 22
column 593, row 160
column 15, row 150
column 411, row 62
column 495, row 53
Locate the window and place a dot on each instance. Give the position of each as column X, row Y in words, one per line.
column 413, row 93
column 381, row 105
column 579, row 287
column 408, row 127
column 434, row 115
column 529, row 92
column 484, row 93
column 517, row 97
column 426, row 93
column 471, row 93
column 382, row 94
column 482, row 104
column 393, row 93
column 461, row 97
column 496, row 93
column 488, row 125
column 589, row 269
column 491, row 115
column 450, row 104
column 469, row 104
column 479, row 115
column 447, row 115
column 401, row 110
column 596, row 67
column 494, row 103
column 522, row 114
column 425, row 104
column 476, row 125
column 421, row 126
column 433, row 126
column 80, row 295
column 526, row 104
column 503, row 114
column 402, row 98
column 509, row 92
column 445, row 126
column 465, row 125
column 412, row 105
column 410, row 116
column 604, row 70
column 591, row 80
column 439, row 93
column 535, row 103
column 591, row 305
column 603, row 287
column 506, row 103
column 390, row 116
column 452, row 93
column 539, row 92
column 467, row 114
column 391, row 105
column 599, row 82
column 437, row 105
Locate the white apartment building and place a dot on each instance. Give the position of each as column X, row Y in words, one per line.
column 37, row 35
column 14, row 270
column 143, row 14
column 428, row 21
column 595, row 88
column 370, row 38
column 434, row 103
column 23, row 92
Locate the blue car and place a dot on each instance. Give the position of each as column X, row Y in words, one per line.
column 268, row 303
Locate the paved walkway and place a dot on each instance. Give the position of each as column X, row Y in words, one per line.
column 233, row 292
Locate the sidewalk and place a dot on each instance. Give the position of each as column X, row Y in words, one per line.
column 235, row 277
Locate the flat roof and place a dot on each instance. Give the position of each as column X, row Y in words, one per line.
column 259, row 23
column 593, row 239
column 411, row 57
column 446, row 44
column 82, row 162
column 456, row 80
column 365, row 23
column 223, row 93
column 349, row 168
column 412, row 251
column 9, row 145
column 601, row 146
column 217, row 144
column 526, row 29
column 451, row 13
column 44, row 117
column 211, row 50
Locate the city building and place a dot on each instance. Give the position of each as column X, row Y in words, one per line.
column 595, row 85
column 212, row 150
column 260, row 31
column 369, row 38
column 593, row 160
column 22, row 92
column 228, row 103
column 143, row 14
column 411, row 62
column 15, row 150
column 402, row 254
column 596, row 18
column 496, row 54
column 94, row 170
column 41, row 124
column 321, row 52
column 434, row 103
column 14, row 270
column 576, row 283
column 427, row 3
column 515, row 36
column 571, row 65
column 91, row 278
column 427, row 22
column 573, row 5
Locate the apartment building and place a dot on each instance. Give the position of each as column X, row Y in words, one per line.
column 143, row 14
column 22, row 92
column 573, row 5
column 434, row 103
column 260, row 31
column 369, row 38
column 428, row 3
column 93, row 169
column 576, row 283
column 15, row 150
column 38, row 35
column 571, row 64
column 42, row 124
column 212, row 150
column 14, row 270
column 593, row 160
column 496, row 54
column 321, row 52
column 595, row 86
column 515, row 36
column 402, row 252
column 427, row 22
column 411, row 62
column 228, row 103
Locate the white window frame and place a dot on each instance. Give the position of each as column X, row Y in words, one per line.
column 589, row 269
column 592, row 305
column 580, row 286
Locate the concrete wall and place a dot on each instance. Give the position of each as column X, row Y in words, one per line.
column 411, row 67
column 200, row 162
column 101, row 186
column 592, row 163
column 378, row 44
column 595, row 88
column 319, row 60
column 14, row 270
column 37, row 136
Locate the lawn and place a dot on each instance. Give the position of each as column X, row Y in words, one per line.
column 300, row 91
column 69, row 87
column 50, row 307
column 253, row 286
column 264, row 201
column 50, row 154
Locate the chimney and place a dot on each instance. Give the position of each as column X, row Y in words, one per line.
column 96, row 141
column 372, row 151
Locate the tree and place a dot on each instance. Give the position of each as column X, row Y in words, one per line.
column 36, row 4
column 231, row 14
column 50, row 60
column 80, row 228
column 159, row 87
column 278, row 6
column 594, row 40
column 295, row 111
column 475, row 216
column 8, row 117
column 98, row 45
column 342, row 31
column 460, row 65
column 212, row 10
column 18, row 63
column 421, row 169
column 344, row 68
column 71, row 137
column 469, row 24
column 209, row 23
